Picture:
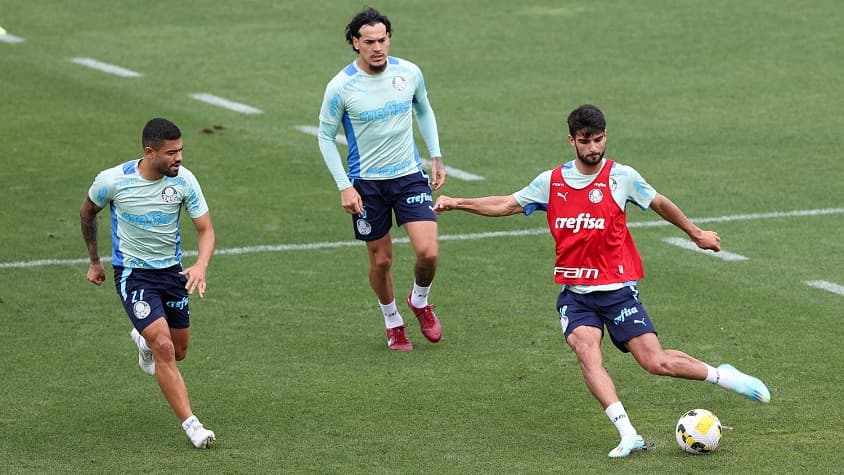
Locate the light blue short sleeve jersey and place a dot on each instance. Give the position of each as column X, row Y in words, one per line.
column 145, row 214
column 376, row 113
column 626, row 184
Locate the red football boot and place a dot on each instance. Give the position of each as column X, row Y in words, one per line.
column 397, row 339
column 428, row 320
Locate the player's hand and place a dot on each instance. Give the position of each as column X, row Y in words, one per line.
column 196, row 279
column 444, row 203
column 708, row 240
column 438, row 173
column 351, row 201
column 96, row 273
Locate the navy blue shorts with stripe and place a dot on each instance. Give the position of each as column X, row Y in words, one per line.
column 409, row 197
column 620, row 311
column 150, row 294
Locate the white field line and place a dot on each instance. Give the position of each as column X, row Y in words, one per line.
column 106, row 68
column 444, row 237
column 686, row 244
column 7, row 38
column 452, row 172
column 828, row 286
column 225, row 103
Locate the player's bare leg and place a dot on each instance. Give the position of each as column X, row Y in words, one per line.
column 650, row 355
column 423, row 239
column 381, row 280
column 181, row 340
column 380, row 268
column 159, row 338
column 167, row 373
column 586, row 343
column 655, row 360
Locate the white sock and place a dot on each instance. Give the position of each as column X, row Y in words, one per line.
column 419, row 296
column 726, row 379
column 392, row 319
column 189, row 422
column 712, row 375
column 618, row 416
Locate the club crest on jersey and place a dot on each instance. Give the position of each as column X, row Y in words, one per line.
column 596, row 195
column 399, row 83
column 169, row 194
column 363, row 227
column 141, row 309
column 613, row 184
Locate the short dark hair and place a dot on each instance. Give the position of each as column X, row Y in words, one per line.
column 157, row 131
column 368, row 16
column 587, row 119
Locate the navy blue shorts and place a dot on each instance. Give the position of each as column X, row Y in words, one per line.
column 150, row 294
column 408, row 196
column 618, row 310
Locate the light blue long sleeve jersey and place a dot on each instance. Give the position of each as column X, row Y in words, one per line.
column 145, row 214
column 376, row 112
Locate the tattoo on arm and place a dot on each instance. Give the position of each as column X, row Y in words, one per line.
column 89, row 229
column 88, row 221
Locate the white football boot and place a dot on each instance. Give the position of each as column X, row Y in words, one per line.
column 627, row 446
column 145, row 358
column 746, row 384
column 201, row 437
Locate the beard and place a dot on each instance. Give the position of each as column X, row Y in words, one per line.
column 590, row 159
column 170, row 171
column 377, row 68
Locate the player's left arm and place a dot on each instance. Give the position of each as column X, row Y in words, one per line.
column 428, row 128
column 672, row 213
column 206, row 242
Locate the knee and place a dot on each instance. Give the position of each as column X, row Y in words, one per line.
column 381, row 262
column 380, row 258
column 588, row 353
column 164, row 350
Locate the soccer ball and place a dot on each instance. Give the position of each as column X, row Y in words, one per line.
column 698, row 432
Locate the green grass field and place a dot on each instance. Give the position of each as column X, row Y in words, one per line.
column 732, row 109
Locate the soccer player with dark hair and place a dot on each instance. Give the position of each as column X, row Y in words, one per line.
column 598, row 266
column 145, row 197
column 375, row 99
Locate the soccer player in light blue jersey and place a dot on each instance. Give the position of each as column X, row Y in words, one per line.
column 145, row 197
column 375, row 99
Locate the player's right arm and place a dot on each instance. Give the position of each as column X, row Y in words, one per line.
column 330, row 117
column 492, row 206
column 527, row 200
column 88, row 218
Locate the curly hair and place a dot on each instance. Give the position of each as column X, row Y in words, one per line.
column 369, row 16
column 588, row 119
